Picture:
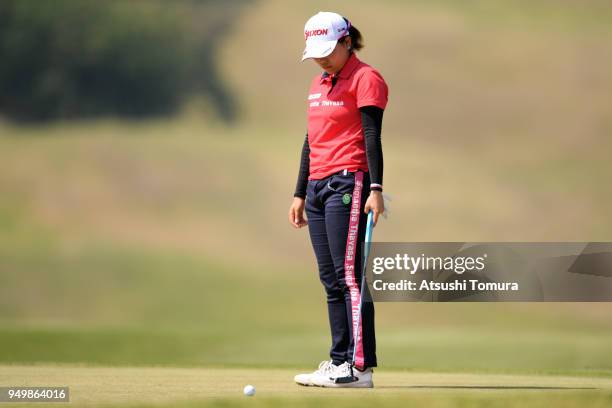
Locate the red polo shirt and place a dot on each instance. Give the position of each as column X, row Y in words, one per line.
column 335, row 134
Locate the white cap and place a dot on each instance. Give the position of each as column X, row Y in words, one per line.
column 322, row 31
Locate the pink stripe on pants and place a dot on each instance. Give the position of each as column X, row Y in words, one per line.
column 349, row 270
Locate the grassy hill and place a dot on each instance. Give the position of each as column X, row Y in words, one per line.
column 165, row 242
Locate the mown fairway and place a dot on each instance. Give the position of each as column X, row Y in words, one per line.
column 223, row 387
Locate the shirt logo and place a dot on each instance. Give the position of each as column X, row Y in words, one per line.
column 318, row 31
column 314, row 96
column 332, row 103
column 315, row 104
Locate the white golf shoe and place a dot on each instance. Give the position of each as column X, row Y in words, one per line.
column 326, row 368
column 345, row 376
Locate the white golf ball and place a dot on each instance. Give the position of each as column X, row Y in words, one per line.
column 249, row 390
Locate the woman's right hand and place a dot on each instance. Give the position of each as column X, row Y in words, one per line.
column 296, row 213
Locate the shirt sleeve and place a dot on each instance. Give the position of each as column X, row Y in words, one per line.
column 371, row 119
column 372, row 90
column 302, row 179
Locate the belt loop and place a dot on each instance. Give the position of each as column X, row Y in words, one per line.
column 345, row 172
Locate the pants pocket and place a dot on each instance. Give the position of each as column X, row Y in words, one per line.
column 341, row 184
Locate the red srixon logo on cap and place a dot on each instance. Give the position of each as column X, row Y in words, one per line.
column 318, row 31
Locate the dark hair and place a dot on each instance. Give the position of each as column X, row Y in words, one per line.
column 356, row 37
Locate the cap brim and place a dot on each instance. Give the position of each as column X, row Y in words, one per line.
column 319, row 49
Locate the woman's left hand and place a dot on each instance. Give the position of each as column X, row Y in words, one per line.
column 375, row 203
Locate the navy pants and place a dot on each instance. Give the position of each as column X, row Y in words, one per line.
column 329, row 203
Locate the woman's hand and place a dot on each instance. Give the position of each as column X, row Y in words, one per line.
column 375, row 203
column 296, row 213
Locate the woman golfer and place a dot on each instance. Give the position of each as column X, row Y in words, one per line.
column 339, row 182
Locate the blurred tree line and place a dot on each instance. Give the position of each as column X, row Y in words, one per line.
column 84, row 58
